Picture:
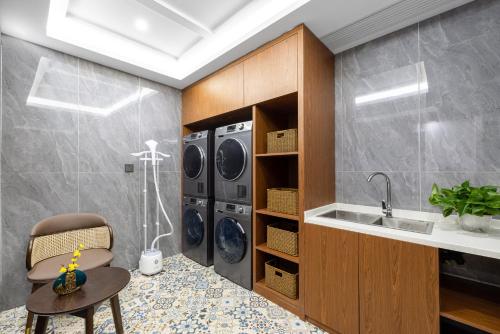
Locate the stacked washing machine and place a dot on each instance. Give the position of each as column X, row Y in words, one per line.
column 233, row 206
column 197, row 205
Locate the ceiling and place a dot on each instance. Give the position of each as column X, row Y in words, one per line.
column 177, row 42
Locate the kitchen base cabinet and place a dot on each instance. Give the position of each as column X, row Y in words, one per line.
column 398, row 287
column 332, row 278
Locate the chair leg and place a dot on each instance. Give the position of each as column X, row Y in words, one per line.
column 29, row 323
column 29, row 319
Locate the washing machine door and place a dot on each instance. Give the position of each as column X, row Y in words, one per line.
column 194, row 227
column 193, row 161
column 231, row 159
column 230, row 240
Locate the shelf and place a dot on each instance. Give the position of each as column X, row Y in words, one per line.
column 263, row 248
column 277, row 214
column 291, row 305
column 470, row 310
column 281, row 154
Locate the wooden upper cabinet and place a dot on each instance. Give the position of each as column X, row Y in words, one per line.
column 218, row 94
column 271, row 72
column 331, row 278
column 398, row 287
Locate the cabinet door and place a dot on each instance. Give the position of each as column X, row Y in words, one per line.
column 272, row 72
column 331, row 278
column 398, row 287
column 220, row 93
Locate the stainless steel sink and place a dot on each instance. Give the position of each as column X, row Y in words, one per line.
column 406, row 224
column 355, row 217
column 368, row 219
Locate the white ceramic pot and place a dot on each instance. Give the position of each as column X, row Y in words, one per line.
column 475, row 223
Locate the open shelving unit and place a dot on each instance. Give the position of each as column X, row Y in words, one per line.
column 470, row 303
column 273, row 170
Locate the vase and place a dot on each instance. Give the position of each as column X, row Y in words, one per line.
column 69, row 282
column 473, row 223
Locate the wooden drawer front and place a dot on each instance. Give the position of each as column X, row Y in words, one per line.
column 331, row 273
column 398, row 287
column 272, row 72
column 216, row 95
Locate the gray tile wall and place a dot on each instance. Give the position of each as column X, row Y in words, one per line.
column 442, row 123
column 65, row 150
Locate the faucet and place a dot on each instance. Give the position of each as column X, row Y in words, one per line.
column 387, row 204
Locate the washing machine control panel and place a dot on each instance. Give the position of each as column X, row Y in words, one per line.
column 233, row 208
column 194, row 201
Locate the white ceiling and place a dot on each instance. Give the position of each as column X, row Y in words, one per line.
column 177, row 42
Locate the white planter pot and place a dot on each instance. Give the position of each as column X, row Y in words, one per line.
column 475, row 223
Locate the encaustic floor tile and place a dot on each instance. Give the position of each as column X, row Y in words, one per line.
column 185, row 298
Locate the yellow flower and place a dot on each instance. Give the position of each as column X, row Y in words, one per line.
column 81, row 246
column 63, row 269
column 74, row 259
column 71, row 267
column 76, row 265
column 76, row 253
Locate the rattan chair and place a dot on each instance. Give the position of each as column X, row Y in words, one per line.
column 53, row 240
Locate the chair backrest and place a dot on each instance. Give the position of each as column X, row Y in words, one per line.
column 62, row 234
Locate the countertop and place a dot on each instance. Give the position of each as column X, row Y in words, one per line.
column 446, row 234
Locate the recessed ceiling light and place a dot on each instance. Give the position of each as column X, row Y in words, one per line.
column 141, row 24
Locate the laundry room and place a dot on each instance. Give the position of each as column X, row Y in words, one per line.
column 250, row 166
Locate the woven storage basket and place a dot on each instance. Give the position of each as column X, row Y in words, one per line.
column 282, row 276
column 283, row 237
column 282, row 141
column 284, row 200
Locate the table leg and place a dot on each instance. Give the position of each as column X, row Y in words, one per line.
column 29, row 323
column 89, row 321
column 117, row 316
column 41, row 324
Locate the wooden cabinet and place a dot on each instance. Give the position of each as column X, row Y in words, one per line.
column 272, row 72
column 398, row 287
column 331, row 278
column 213, row 96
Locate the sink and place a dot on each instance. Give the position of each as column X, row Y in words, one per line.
column 406, row 224
column 375, row 220
column 355, row 217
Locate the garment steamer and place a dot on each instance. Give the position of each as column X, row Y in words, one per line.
column 151, row 259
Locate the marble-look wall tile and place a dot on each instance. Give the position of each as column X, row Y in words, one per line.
column 109, row 131
column 405, row 189
column 44, row 143
column 160, row 109
column 28, row 198
column 37, row 135
column 115, row 197
column 446, row 133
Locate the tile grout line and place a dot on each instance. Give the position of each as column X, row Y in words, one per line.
column 419, row 127
column 78, row 136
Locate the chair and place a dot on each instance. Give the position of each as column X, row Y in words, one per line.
column 53, row 240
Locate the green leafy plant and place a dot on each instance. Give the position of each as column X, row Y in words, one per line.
column 463, row 199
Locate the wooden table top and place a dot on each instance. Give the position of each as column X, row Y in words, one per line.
column 102, row 284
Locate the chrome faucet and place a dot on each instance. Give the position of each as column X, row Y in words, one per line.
column 387, row 204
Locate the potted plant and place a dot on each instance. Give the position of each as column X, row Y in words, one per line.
column 475, row 206
column 71, row 279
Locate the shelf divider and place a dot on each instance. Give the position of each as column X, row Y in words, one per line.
column 277, row 214
column 263, row 248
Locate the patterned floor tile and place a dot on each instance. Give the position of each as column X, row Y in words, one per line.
column 185, row 298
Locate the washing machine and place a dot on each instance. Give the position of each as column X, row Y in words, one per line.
column 197, row 230
column 233, row 163
column 197, row 164
column 233, row 242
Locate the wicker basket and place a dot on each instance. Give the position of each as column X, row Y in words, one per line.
column 284, row 200
column 283, row 277
column 283, row 237
column 282, row 141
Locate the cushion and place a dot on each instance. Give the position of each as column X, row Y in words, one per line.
column 48, row 269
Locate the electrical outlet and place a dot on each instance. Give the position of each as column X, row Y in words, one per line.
column 129, row 168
